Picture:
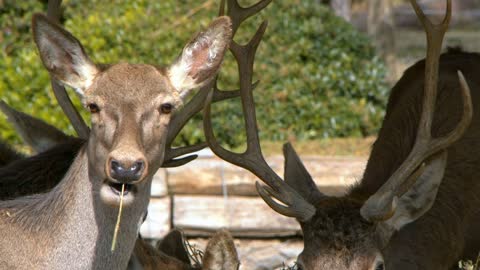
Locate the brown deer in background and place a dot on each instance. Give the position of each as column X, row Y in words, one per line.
column 131, row 108
column 414, row 208
column 171, row 254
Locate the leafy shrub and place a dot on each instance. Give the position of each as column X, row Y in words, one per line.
column 319, row 76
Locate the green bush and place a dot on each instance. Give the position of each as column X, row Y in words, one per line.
column 319, row 76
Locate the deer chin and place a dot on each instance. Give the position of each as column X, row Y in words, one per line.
column 110, row 193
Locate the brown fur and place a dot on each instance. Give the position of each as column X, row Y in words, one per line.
column 337, row 237
column 152, row 259
column 39, row 173
column 220, row 254
column 7, row 155
column 77, row 217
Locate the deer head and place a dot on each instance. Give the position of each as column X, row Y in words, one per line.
column 131, row 105
column 349, row 232
column 172, row 254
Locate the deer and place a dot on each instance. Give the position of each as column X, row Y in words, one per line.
column 417, row 204
column 131, row 107
column 59, row 149
column 22, row 175
column 8, row 154
column 171, row 254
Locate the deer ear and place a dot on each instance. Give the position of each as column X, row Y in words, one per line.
column 297, row 176
column 34, row 132
column 221, row 253
column 62, row 54
column 201, row 58
column 173, row 245
column 421, row 196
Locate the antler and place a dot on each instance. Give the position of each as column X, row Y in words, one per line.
column 54, row 13
column 196, row 104
column 252, row 159
column 181, row 118
column 382, row 204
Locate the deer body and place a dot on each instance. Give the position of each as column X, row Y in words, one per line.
column 7, row 154
column 38, row 173
column 449, row 231
column 42, row 240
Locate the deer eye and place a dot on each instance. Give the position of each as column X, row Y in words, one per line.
column 166, row 108
column 93, row 108
column 379, row 266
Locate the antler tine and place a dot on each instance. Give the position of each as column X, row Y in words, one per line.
column 239, row 14
column 435, row 34
column 180, row 151
column 294, row 209
column 178, row 162
column 381, row 205
column 426, row 22
column 53, row 10
column 252, row 159
column 467, row 115
column 221, row 10
column 220, row 95
column 245, row 55
column 54, row 13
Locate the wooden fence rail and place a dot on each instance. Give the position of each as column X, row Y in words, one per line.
column 208, row 194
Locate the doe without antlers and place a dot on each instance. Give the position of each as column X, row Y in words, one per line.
column 133, row 108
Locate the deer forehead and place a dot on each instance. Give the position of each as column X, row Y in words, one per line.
column 337, row 224
column 340, row 260
column 133, row 84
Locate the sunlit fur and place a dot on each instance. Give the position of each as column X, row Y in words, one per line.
column 77, row 217
column 337, row 237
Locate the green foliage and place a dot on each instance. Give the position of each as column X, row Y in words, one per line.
column 319, row 76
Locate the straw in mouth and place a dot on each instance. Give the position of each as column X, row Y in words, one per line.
column 117, row 225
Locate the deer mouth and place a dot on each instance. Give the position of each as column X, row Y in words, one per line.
column 111, row 193
column 117, row 188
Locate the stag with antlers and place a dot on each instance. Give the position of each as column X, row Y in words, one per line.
column 417, row 204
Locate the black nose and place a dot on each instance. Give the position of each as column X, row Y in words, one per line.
column 126, row 174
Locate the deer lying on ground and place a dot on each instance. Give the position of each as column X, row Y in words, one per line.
column 27, row 176
column 171, row 254
column 131, row 107
column 414, row 208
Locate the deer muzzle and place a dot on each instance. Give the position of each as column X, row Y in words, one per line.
column 126, row 174
column 127, row 170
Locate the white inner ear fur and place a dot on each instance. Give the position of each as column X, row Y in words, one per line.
column 54, row 46
column 180, row 73
column 87, row 73
column 420, row 198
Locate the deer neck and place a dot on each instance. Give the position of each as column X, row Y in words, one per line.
column 396, row 136
column 69, row 227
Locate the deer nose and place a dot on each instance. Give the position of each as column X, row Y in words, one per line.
column 126, row 172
